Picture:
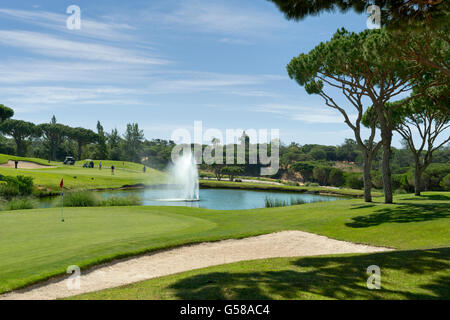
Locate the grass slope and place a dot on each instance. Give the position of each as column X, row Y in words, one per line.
column 77, row 177
column 36, row 245
column 418, row 274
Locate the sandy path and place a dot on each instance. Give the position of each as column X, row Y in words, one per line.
column 24, row 165
column 281, row 244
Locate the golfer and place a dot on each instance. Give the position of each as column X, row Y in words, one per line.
column 112, row 170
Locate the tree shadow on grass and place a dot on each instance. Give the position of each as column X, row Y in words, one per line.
column 434, row 197
column 328, row 277
column 361, row 206
column 402, row 213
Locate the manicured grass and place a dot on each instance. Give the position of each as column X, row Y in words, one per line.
column 274, row 187
column 36, row 245
column 76, row 177
column 418, row 274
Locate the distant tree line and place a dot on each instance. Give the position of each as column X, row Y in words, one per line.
column 309, row 163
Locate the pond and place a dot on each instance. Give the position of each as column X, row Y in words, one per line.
column 219, row 199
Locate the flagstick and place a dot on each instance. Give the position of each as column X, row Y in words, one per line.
column 62, row 208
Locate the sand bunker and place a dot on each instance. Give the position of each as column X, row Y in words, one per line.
column 24, row 165
column 281, row 244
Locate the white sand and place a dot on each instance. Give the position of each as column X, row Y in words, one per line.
column 281, row 244
column 24, row 165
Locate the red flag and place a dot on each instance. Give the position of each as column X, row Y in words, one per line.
column 61, row 185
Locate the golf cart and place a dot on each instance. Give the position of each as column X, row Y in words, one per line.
column 69, row 161
column 88, row 163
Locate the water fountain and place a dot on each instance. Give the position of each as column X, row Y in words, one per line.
column 183, row 174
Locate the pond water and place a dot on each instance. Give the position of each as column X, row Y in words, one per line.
column 219, row 199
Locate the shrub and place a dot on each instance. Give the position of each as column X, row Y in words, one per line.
column 433, row 176
column 377, row 180
column 273, row 203
column 16, row 186
column 445, row 183
column 21, row 204
column 25, row 185
column 9, row 190
column 400, row 191
column 296, row 201
column 90, row 199
column 312, row 184
column 122, row 201
column 321, row 174
column 81, row 199
column 336, row 177
column 305, row 169
column 355, row 181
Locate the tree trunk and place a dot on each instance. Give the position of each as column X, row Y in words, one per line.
column 367, row 164
column 386, row 168
column 53, row 152
column 386, row 137
column 417, row 180
column 79, row 150
column 19, row 148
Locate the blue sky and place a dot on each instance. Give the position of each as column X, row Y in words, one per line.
column 165, row 64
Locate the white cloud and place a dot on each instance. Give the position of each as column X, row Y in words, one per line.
column 208, row 81
column 35, row 70
column 225, row 19
column 56, row 47
column 311, row 114
column 38, row 98
column 56, row 21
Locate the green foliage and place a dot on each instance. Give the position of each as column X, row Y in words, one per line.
column 102, row 149
column 273, row 203
column 394, row 13
column 20, row 131
column 134, row 138
column 355, row 181
column 132, row 200
column 433, row 175
column 9, row 190
column 53, row 134
column 377, row 180
column 91, row 199
column 321, row 175
column 336, row 177
column 16, row 186
column 158, row 153
column 5, row 113
column 232, row 171
column 445, row 183
column 82, row 137
column 81, row 199
column 305, row 169
column 403, row 181
column 20, row 204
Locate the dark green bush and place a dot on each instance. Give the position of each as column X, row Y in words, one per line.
column 8, row 190
column 81, row 199
column 321, row 175
column 132, row 200
column 21, row 204
column 355, row 181
column 445, row 183
column 336, row 177
column 16, row 186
